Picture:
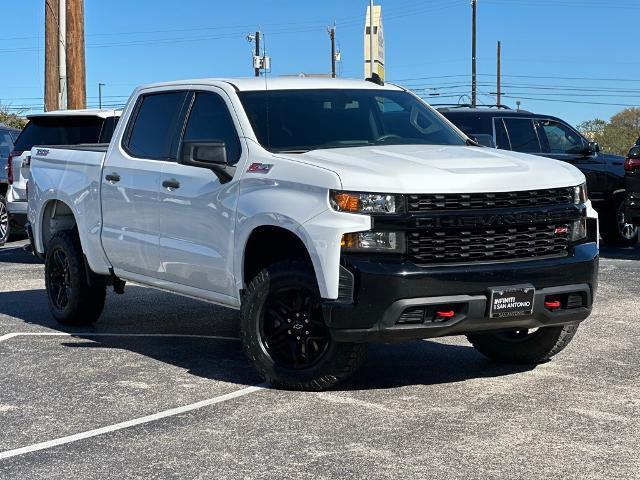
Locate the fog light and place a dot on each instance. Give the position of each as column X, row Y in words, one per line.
column 373, row 241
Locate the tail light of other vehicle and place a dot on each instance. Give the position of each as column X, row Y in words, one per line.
column 10, row 169
column 632, row 161
column 631, row 164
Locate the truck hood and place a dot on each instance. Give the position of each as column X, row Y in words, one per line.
column 441, row 169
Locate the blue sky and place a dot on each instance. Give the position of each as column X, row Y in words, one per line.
column 555, row 52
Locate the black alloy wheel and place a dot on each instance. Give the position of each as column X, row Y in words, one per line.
column 292, row 331
column 5, row 226
column 59, row 279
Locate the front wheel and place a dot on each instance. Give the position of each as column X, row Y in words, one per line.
column 5, row 225
column 284, row 335
column 615, row 228
column 524, row 346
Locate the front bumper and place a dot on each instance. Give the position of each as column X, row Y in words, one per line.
column 384, row 288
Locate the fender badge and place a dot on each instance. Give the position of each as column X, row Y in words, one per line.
column 42, row 152
column 259, row 168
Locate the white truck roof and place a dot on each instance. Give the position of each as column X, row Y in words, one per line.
column 96, row 112
column 278, row 83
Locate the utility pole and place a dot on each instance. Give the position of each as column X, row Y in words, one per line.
column 51, row 52
column 474, row 85
column 332, row 36
column 62, row 55
column 76, row 74
column 100, row 85
column 498, row 76
column 257, row 67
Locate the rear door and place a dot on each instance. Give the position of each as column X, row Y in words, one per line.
column 562, row 142
column 197, row 209
column 521, row 135
column 131, row 182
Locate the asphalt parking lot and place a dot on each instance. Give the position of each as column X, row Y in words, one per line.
column 159, row 388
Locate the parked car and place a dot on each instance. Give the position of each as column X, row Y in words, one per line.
column 632, row 168
column 552, row 137
column 63, row 127
column 331, row 213
column 7, row 138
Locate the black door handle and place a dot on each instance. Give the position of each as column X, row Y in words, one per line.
column 171, row 184
column 112, row 177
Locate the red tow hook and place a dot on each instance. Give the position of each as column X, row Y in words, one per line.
column 552, row 304
column 446, row 314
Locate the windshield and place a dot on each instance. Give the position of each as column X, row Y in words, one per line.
column 301, row 120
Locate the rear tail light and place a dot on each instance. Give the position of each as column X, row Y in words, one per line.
column 10, row 169
column 631, row 164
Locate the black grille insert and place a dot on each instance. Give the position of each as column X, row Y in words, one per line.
column 486, row 245
column 475, row 201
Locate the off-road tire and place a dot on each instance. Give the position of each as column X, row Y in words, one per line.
column 339, row 361
column 538, row 347
column 610, row 229
column 5, row 223
column 85, row 301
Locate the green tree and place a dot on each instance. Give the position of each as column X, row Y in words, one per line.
column 11, row 119
column 618, row 134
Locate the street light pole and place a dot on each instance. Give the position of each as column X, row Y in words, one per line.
column 100, row 85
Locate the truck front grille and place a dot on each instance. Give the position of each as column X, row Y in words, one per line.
column 481, row 245
column 474, row 201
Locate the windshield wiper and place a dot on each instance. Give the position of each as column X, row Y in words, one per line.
column 472, row 143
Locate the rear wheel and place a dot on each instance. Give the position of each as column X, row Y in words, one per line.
column 72, row 300
column 5, row 226
column 616, row 229
column 524, row 346
column 284, row 335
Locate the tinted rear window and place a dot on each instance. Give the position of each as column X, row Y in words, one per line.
column 60, row 131
column 470, row 123
column 6, row 143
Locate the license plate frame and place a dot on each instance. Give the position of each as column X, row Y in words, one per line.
column 512, row 301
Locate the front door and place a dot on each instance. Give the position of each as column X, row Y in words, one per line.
column 561, row 142
column 131, row 184
column 197, row 209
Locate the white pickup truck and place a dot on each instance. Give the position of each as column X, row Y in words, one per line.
column 331, row 213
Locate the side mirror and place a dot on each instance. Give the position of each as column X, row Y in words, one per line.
column 203, row 154
column 211, row 155
column 484, row 140
column 593, row 147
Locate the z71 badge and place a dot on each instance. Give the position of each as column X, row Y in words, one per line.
column 42, row 152
column 259, row 168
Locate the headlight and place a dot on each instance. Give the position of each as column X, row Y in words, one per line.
column 580, row 194
column 368, row 203
column 373, row 242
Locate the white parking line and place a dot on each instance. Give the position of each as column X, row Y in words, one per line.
column 130, row 423
column 92, row 334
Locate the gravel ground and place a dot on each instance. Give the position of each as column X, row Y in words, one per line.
column 423, row 409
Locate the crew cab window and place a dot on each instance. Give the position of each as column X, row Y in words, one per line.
column 562, row 139
column 154, row 128
column 522, row 135
column 59, row 130
column 108, row 127
column 210, row 121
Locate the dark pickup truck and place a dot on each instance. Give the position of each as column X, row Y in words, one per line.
column 549, row 136
column 632, row 179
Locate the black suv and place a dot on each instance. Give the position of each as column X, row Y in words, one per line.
column 549, row 136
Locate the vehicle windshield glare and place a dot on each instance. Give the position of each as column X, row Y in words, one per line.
column 297, row 121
